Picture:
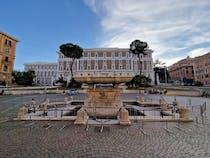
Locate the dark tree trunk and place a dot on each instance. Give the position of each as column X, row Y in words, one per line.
column 71, row 68
column 140, row 64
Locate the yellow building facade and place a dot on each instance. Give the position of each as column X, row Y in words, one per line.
column 7, row 57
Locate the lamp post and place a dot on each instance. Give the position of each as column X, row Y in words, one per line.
column 165, row 75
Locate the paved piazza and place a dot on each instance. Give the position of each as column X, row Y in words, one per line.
column 49, row 139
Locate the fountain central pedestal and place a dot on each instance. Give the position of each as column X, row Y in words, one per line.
column 103, row 102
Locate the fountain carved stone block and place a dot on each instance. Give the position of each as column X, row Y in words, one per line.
column 21, row 113
column 104, row 102
column 124, row 117
column 184, row 113
column 81, row 117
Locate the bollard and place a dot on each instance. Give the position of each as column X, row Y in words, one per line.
column 127, row 130
column 142, row 124
column 102, row 127
column 196, row 120
column 166, row 124
column 178, row 123
column 87, row 126
column 202, row 118
column 61, row 113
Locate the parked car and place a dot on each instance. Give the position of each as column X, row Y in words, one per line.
column 72, row 92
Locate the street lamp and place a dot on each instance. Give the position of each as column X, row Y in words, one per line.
column 165, row 75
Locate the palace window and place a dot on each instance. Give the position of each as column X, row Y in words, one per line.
column 127, row 66
column 120, row 55
column 104, row 54
column 8, row 42
column 5, row 68
column 113, row 55
column 7, row 49
column 96, row 55
column 104, row 67
column 81, row 64
column 113, row 66
column 6, row 59
column 96, row 67
column 127, row 55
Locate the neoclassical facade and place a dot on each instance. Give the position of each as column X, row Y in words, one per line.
column 95, row 62
column 45, row 72
column 106, row 62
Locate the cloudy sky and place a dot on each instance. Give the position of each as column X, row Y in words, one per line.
column 174, row 29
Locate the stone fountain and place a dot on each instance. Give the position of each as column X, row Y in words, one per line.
column 103, row 102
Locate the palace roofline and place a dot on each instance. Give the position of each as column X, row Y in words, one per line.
column 109, row 49
column 5, row 34
column 40, row 63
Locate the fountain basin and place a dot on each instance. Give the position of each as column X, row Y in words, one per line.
column 102, row 112
column 103, row 79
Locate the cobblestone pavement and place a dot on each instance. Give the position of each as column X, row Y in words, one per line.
column 62, row 139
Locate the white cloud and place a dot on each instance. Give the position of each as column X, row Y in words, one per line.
column 91, row 4
column 169, row 61
column 168, row 26
column 199, row 52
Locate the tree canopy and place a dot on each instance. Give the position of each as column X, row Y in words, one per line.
column 139, row 47
column 71, row 51
column 25, row 78
column 139, row 81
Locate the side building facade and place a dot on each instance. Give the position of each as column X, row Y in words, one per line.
column 202, row 68
column 182, row 72
column 7, row 57
column 191, row 70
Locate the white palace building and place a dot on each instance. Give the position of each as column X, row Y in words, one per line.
column 95, row 62
column 45, row 72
